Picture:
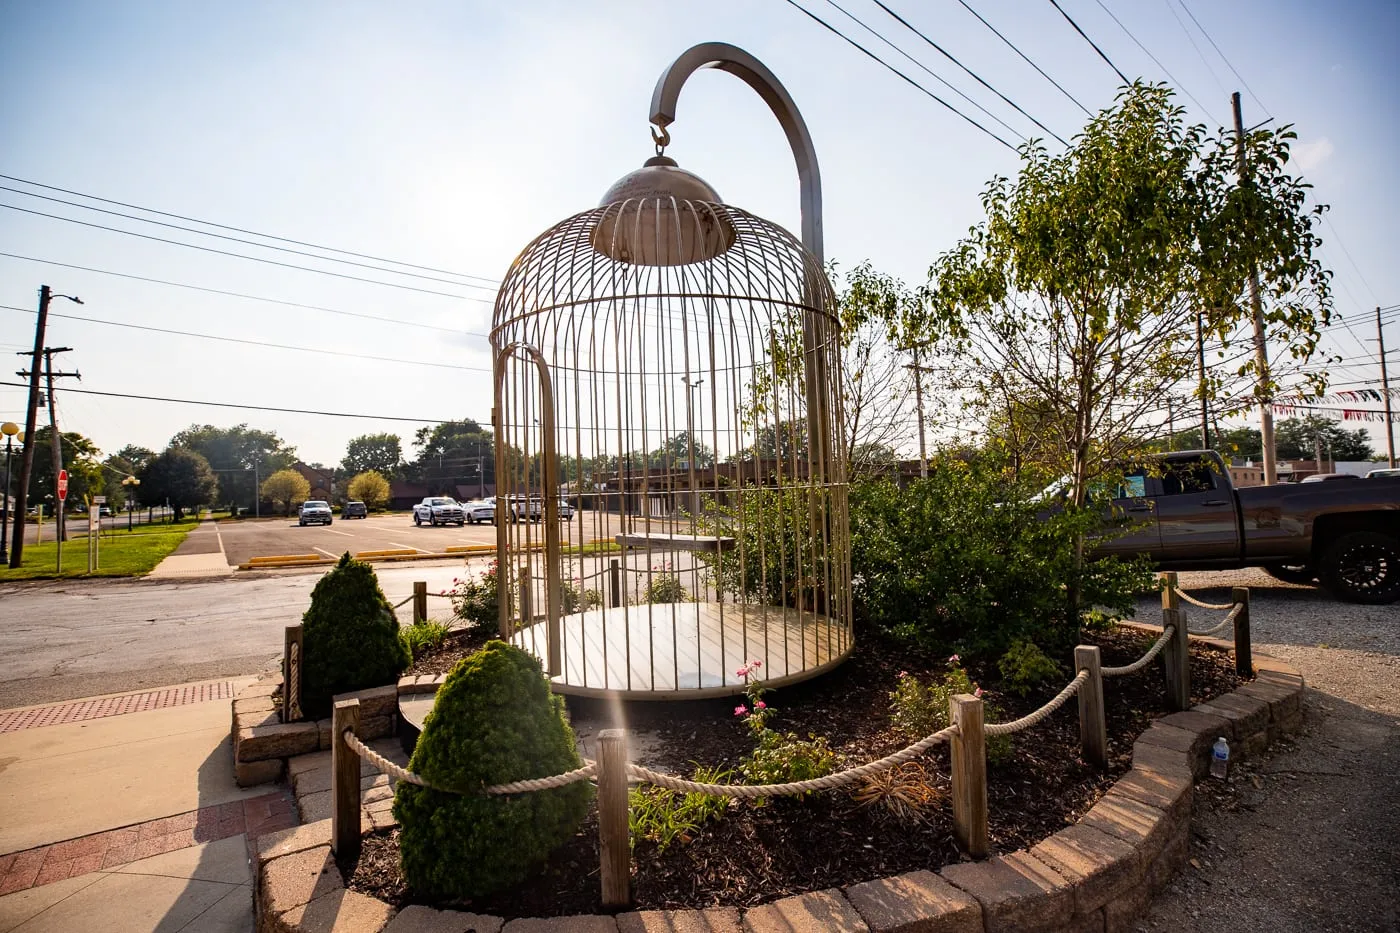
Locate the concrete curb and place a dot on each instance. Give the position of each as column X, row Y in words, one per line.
column 1096, row 875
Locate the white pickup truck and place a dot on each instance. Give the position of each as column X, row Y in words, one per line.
column 439, row 510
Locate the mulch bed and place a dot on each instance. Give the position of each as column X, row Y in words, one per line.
column 789, row 846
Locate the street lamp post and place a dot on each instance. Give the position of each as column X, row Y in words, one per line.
column 9, row 429
column 130, row 483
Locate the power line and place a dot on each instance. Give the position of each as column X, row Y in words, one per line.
column 1227, row 62
column 290, row 411
column 1347, row 253
column 220, row 291
column 234, row 239
column 1024, row 57
column 1171, row 77
column 251, row 343
column 869, row 54
column 221, row 252
column 1199, row 54
column 1091, row 42
column 267, row 236
column 978, row 78
column 920, row 65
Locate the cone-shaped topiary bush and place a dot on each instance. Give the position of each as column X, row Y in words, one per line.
column 494, row 721
column 351, row 637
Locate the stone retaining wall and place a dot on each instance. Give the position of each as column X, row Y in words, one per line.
column 262, row 742
column 1097, row 875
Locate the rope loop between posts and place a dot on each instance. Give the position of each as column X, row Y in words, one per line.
column 1228, row 620
column 1040, row 715
column 1201, row 603
column 589, row 769
column 1143, row 661
column 826, row 782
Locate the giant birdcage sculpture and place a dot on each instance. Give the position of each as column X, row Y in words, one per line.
column 667, row 369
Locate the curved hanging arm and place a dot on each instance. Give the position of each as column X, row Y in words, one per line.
column 737, row 62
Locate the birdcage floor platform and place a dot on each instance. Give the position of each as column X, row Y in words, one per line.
column 684, row 651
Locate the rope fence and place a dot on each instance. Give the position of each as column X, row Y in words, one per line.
column 966, row 737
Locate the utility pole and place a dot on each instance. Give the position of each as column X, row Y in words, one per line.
column 1385, row 394
column 56, row 439
column 1261, row 350
column 1201, row 384
column 919, row 407
column 31, row 415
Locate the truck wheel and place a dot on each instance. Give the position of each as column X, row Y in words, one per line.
column 417, row 522
column 1363, row 567
column 1293, row 573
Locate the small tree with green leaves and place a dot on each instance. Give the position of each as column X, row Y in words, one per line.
column 287, row 487
column 371, row 488
column 351, row 637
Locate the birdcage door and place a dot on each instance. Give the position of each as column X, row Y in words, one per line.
column 528, row 577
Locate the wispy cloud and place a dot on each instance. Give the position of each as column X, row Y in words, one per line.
column 1310, row 155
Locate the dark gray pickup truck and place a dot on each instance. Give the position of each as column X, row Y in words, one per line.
column 1184, row 512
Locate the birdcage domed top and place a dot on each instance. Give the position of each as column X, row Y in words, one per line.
column 666, row 248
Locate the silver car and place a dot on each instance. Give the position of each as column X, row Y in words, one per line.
column 314, row 512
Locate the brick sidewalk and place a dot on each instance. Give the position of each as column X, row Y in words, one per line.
column 33, row 868
column 82, row 710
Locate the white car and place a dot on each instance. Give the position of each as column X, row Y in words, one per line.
column 314, row 511
column 1384, row 473
column 439, row 510
column 483, row 510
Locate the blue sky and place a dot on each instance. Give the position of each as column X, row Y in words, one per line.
column 450, row 134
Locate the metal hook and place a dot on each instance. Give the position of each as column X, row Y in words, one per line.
column 662, row 140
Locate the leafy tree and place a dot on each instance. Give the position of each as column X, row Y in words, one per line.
column 238, row 455
column 680, row 449
column 1082, row 288
column 80, row 459
column 382, row 453
column 371, row 488
column 1296, row 439
column 181, row 477
column 451, row 452
column 286, row 487
column 135, row 456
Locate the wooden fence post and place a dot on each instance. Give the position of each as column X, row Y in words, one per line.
column 1178, row 661
column 1093, row 730
column 615, row 582
column 614, row 845
column 292, row 646
column 1244, row 654
column 345, row 781
column 420, row 601
column 969, row 747
column 1170, row 599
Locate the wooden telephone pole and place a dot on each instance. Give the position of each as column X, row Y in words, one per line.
column 1261, row 349
column 1385, row 394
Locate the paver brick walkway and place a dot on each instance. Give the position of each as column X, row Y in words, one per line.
column 101, row 707
column 47, row 864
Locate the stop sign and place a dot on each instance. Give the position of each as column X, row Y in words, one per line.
column 62, row 485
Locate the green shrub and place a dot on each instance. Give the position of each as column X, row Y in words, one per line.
column 474, row 600
column 1025, row 667
column 918, row 709
column 664, row 816
column 494, row 721
column 778, row 757
column 423, row 635
column 970, row 560
column 575, row 598
column 666, row 587
column 351, row 638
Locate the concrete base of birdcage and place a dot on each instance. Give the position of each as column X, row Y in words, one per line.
column 686, row 651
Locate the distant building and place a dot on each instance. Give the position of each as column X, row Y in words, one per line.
column 322, row 482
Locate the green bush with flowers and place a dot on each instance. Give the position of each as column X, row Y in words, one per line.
column 778, row 757
column 919, row 709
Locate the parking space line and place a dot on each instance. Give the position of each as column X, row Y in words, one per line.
column 411, row 547
column 345, row 533
column 326, row 552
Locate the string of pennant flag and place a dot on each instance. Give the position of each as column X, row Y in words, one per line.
column 1341, row 414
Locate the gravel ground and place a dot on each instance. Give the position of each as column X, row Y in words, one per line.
column 1307, row 839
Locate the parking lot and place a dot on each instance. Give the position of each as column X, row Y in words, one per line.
column 245, row 539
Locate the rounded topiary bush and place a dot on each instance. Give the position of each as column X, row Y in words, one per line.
column 494, row 721
column 351, row 638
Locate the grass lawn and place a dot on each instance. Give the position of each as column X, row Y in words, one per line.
column 121, row 554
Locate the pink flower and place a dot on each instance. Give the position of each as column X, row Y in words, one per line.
column 741, row 710
column 954, row 659
column 903, row 674
column 742, row 672
column 760, row 705
column 977, row 692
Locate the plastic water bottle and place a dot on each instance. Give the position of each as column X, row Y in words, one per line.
column 1220, row 758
